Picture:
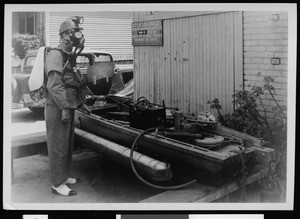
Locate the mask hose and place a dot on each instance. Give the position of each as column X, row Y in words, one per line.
column 138, row 175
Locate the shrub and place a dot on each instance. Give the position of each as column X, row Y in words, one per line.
column 22, row 43
column 246, row 118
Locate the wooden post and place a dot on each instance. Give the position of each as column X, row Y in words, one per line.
column 177, row 120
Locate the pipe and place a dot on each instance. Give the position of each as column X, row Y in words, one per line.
column 154, row 169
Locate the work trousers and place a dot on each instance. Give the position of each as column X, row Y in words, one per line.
column 60, row 141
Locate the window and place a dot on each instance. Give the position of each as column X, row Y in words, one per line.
column 30, row 61
column 103, row 58
column 24, row 22
column 83, row 62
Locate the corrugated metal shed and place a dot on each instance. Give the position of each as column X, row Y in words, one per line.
column 201, row 59
column 104, row 30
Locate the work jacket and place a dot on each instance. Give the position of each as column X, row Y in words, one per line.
column 64, row 89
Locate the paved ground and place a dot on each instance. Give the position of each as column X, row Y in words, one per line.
column 23, row 122
column 103, row 181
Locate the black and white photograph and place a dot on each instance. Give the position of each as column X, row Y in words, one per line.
column 149, row 106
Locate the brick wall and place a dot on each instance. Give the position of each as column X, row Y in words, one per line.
column 266, row 37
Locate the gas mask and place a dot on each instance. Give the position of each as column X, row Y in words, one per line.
column 76, row 38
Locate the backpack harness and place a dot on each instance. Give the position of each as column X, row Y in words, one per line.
column 41, row 93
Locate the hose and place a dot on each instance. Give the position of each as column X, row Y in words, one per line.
column 142, row 179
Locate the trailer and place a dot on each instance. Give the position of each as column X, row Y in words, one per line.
column 203, row 151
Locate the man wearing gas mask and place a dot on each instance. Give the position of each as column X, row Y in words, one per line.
column 64, row 95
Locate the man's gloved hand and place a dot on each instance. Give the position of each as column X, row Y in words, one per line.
column 86, row 109
column 65, row 115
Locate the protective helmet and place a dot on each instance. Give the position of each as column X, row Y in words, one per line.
column 71, row 23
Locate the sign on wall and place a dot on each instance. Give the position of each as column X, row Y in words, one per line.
column 147, row 33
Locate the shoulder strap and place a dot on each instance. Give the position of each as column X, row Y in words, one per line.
column 65, row 55
column 45, row 74
column 65, row 59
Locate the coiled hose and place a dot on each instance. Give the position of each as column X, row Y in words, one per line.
column 138, row 175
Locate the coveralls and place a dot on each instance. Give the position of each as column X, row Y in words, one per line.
column 64, row 91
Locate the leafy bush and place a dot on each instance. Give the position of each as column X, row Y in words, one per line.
column 246, row 118
column 22, row 43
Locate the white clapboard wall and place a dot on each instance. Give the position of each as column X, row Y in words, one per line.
column 103, row 30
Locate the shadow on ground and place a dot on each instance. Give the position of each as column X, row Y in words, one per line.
column 103, row 181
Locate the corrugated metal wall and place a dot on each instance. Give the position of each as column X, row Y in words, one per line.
column 104, row 30
column 201, row 59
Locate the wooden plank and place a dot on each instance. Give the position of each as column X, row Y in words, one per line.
column 206, row 65
column 156, row 67
column 179, row 80
column 214, row 56
column 167, row 63
column 190, row 194
column 136, row 75
column 199, row 64
column 139, row 72
column 150, row 74
column 238, row 50
column 230, row 90
column 160, row 73
column 233, row 186
column 135, row 70
column 176, row 88
column 219, row 73
column 228, row 132
column 145, row 69
column 264, row 155
column 145, row 73
column 27, row 145
column 222, row 64
column 185, row 74
column 173, row 51
column 229, row 63
column 27, row 139
column 220, row 56
column 192, row 65
column 156, row 58
column 142, row 68
column 134, row 17
column 200, row 193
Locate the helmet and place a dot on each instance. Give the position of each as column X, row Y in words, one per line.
column 69, row 24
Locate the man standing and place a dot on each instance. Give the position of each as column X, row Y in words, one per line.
column 64, row 95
